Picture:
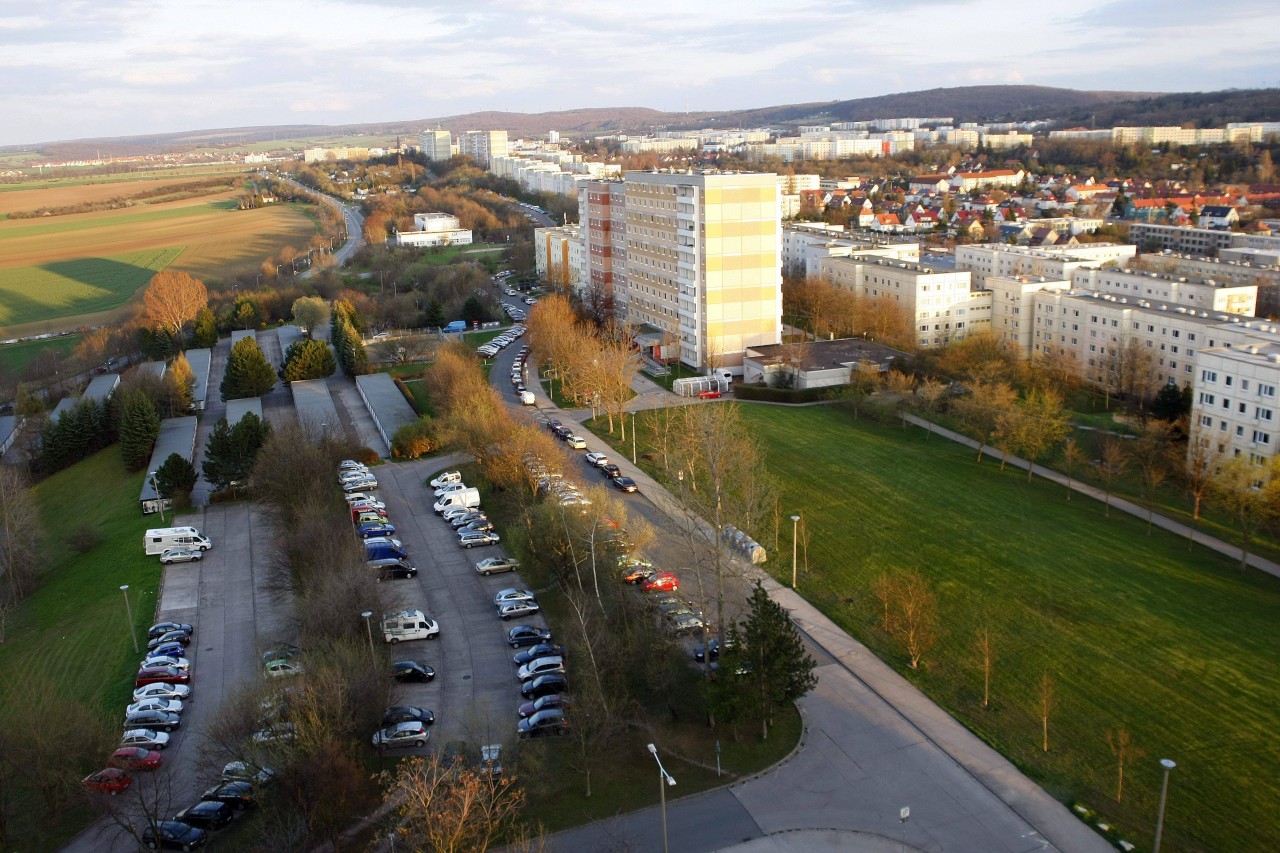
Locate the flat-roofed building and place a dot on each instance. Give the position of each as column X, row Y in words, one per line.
column 1235, row 410
column 1201, row 294
column 316, row 413
column 238, row 408
column 200, row 361
column 177, row 435
column 386, row 404
column 436, row 145
column 987, row 259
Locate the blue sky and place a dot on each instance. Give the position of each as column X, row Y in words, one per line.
column 83, row 68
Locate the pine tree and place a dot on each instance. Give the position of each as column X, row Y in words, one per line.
column 308, row 359
column 231, row 450
column 248, row 372
column 139, row 427
column 217, row 465
column 176, row 477
column 357, row 363
column 434, row 316
column 776, row 668
column 204, row 331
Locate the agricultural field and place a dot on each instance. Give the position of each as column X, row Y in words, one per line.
column 70, row 188
column 16, row 357
column 82, row 269
column 1134, row 629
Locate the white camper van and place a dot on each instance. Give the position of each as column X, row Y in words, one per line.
column 162, row 539
column 408, row 625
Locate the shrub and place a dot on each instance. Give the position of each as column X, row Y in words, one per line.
column 781, row 395
column 414, row 439
column 84, row 539
column 368, row 456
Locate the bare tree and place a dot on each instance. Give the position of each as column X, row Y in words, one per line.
column 1203, row 460
column 1111, row 465
column 930, row 393
column 1046, row 697
column 1073, row 456
column 172, row 300
column 1125, row 752
column 917, row 611
column 883, row 587
column 1248, row 493
column 1153, row 452
column 20, row 532
column 985, row 645
column 982, row 408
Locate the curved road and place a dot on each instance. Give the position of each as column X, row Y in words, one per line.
column 352, row 219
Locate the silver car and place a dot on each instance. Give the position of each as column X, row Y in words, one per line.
column 145, row 738
column 180, row 555
column 475, row 538
column 413, row 733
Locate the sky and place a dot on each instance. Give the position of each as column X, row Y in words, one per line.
column 73, row 69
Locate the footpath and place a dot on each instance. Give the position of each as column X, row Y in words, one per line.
column 872, row 743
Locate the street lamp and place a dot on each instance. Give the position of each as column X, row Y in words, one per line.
column 128, row 610
column 368, row 629
column 633, row 438
column 663, row 776
column 1168, row 765
column 795, row 520
column 159, row 497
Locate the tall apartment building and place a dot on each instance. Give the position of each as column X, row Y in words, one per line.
column 559, row 255
column 702, row 261
column 1235, row 410
column 436, row 145
column 602, row 213
column 483, row 145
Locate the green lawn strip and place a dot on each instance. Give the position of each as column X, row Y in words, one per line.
column 1134, row 629
column 113, row 219
column 18, row 356
column 678, row 371
column 72, row 631
column 451, row 254
column 80, row 286
column 556, row 789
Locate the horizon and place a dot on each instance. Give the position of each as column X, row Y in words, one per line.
column 352, row 62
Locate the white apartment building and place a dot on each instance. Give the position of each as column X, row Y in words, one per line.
column 483, row 145
column 1013, row 308
column 560, row 255
column 988, row 259
column 434, row 229
column 702, row 261
column 1196, row 241
column 941, row 305
column 1201, row 294
column 436, row 145
column 1006, row 140
column 1235, row 408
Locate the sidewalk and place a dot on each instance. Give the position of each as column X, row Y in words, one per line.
column 889, row 743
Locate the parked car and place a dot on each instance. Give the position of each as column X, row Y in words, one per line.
column 527, row 635
column 362, row 485
column 364, row 502
column 546, row 703
column 173, row 835
column 275, row 733
column 161, row 674
column 135, row 758
column 540, row 650
column 610, row 471
column 686, row 624
column 540, row 666
column 413, row 733
column 597, row 458
column 171, row 649
column 144, row 738
column 238, row 794
column 625, row 484
column 111, row 781
column 352, row 465
column 462, row 519
column 353, row 475
column 407, row 714
column 241, row 771
column 445, row 478
column 638, row 574
column 474, row 538
column 169, row 706
column 165, row 627
column 513, row 594
column 370, row 529
column 662, row 581
column 513, row 609
column 454, row 512
column 154, row 660
column 552, row 682
column 577, row 442
column 281, row 668
column 180, row 555
column 450, row 488
column 160, row 690
column 281, row 651
column 181, row 637
column 396, row 570
column 206, row 814
column 493, row 565
column 709, row 395
column 483, row 525
column 411, row 670
column 544, row 723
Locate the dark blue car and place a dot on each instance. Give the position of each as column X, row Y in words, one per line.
column 371, row 528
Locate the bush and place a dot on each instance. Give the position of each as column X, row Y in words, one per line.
column 414, row 439
column 368, row 456
column 782, row 395
column 84, row 539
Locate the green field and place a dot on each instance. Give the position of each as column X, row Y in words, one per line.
column 17, row 356
column 79, row 286
column 1133, row 629
column 72, row 634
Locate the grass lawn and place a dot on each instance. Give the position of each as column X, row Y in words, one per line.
column 72, row 632
column 80, row 286
column 452, row 254
column 678, row 371
column 1138, row 630
column 18, row 356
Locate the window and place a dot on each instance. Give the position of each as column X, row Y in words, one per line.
column 1264, row 414
column 1266, row 390
column 1206, row 421
column 1227, row 380
column 1208, row 376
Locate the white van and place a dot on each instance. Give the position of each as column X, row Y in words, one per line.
column 467, row 498
column 161, row 539
column 527, row 398
column 408, row 625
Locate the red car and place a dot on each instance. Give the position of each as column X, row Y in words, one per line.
column 661, row 582
column 709, row 395
column 136, row 758
column 356, row 512
column 161, row 675
column 111, row 781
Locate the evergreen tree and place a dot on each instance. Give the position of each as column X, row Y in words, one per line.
column 434, row 316
column 218, row 456
column 1171, row 403
column 231, row 450
column 308, row 359
column 774, row 665
column 357, row 363
column 204, row 331
column 139, row 427
column 473, row 310
column 176, row 477
column 248, row 372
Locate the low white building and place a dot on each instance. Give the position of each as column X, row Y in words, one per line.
column 434, row 229
column 1201, row 294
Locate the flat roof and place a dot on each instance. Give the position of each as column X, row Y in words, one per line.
column 153, row 369
column 100, row 387
column 287, row 335
column 386, row 403
column 314, row 405
column 242, row 333
column 177, row 435
column 237, row 409
column 825, row 355
column 65, row 405
column 199, row 359
column 8, row 423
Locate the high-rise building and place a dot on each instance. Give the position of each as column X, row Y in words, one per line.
column 435, row 144
column 702, row 261
column 483, row 145
column 602, row 212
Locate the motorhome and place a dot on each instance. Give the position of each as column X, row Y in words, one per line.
column 161, row 539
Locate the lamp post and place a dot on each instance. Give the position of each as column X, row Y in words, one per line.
column 128, row 610
column 633, row 438
column 159, row 497
column 663, row 776
column 1168, row 765
column 795, row 521
column 368, row 629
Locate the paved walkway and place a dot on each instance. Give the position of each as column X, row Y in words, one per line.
column 873, row 744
